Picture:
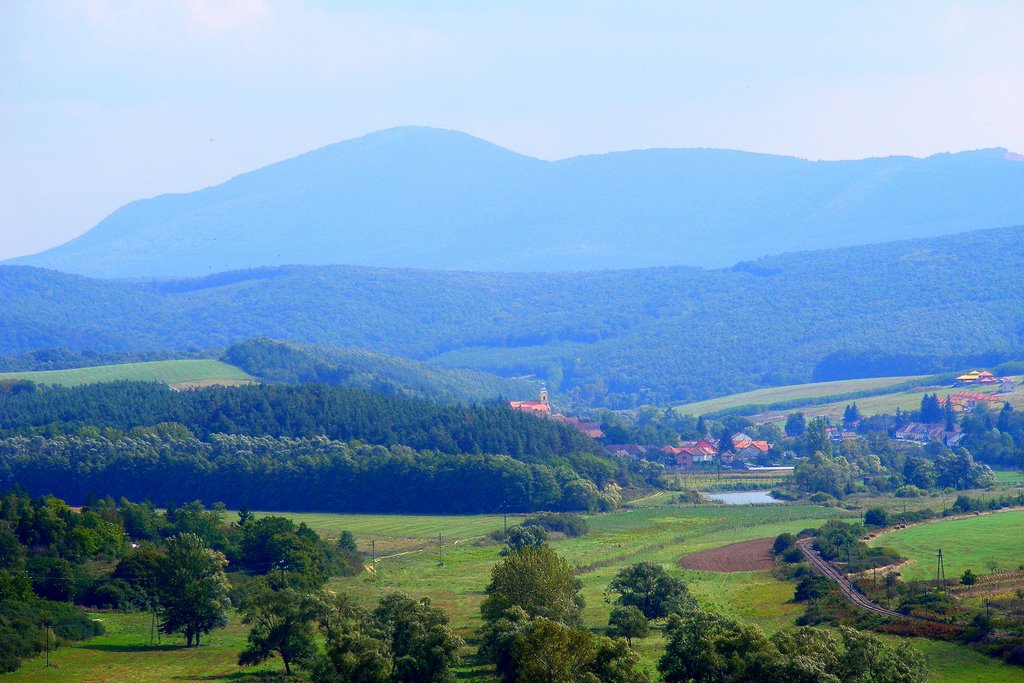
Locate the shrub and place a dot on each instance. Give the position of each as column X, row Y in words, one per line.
column 876, row 517
column 821, row 498
column 689, row 496
column 793, row 555
column 908, row 491
column 568, row 523
column 812, row 588
column 783, row 542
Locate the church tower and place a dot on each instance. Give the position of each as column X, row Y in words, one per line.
column 543, row 394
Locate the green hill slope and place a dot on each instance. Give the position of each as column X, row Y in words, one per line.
column 606, row 338
column 279, row 361
column 798, row 395
column 872, row 396
column 175, row 372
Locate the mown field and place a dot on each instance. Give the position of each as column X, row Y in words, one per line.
column 200, row 372
column 888, row 403
column 813, row 399
column 966, row 544
column 655, row 531
column 794, row 392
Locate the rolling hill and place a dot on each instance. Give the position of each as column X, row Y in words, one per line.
column 279, row 361
column 205, row 372
column 873, row 396
column 608, row 338
column 428, row 198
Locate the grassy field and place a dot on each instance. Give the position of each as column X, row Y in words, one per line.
column 202, row 372
column 707, row 480
column 809, row 392
column 657, row 531
column 124, row 653
column 1009, row 477
column 966, row 544
column 814, row 394
column 888, row 403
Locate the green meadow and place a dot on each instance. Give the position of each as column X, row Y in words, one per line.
column 967, row 543
column 455, row 575
column 795, row 392
column 200, row 372
column 820, row 398
column 906, row 400
column 1013, row 478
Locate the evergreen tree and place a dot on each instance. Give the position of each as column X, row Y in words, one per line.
column 931, row 411
column 795, row 424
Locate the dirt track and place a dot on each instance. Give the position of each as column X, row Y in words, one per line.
column 747, row 556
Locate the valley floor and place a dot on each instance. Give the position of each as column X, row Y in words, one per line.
column 454, row 574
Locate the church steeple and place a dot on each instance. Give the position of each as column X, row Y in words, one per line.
column 543, row 394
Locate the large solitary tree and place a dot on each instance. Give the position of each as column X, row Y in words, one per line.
column 193, row 590
column 649, row 588
column 539, row 582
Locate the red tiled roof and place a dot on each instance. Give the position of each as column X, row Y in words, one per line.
column 530, row 406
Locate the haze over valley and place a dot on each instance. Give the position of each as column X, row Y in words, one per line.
column 511, row 342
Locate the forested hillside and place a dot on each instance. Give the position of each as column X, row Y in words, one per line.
column 278, row 361
column 292, row 411
column 609, row 338
column 308, row 447
column 427, row 198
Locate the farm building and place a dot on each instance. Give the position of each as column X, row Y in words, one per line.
column 975, row 377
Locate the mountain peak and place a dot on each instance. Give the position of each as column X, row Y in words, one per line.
column 423, row 197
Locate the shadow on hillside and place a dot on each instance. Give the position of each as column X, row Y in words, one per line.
column 134, row 648
column 253, row 676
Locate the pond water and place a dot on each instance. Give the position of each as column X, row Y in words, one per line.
column 743, row 498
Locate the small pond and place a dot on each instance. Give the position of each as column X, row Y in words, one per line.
column 743, row 498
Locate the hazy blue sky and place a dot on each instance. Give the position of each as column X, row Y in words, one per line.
column 103, row 102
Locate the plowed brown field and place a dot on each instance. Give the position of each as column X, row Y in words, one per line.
column 747, row 556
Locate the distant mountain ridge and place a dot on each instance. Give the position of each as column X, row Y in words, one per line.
column 608, row 338
column 428, row 198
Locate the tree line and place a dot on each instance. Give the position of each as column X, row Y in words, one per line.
column 266, row 472
column 292, row 411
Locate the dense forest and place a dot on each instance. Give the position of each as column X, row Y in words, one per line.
column 610, row 338
column 292, row 411
column 345, row 449
column 306, row 474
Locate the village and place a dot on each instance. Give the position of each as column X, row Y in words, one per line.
column 747, row 453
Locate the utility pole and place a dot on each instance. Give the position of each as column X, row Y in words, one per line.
column 281, row 566
column 440, row 559
column 940, row 573
column 373, row 553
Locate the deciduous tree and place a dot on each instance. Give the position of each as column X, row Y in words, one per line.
column 649, row 588
column 539, row 582
column 282, row 623
column 193, row 590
